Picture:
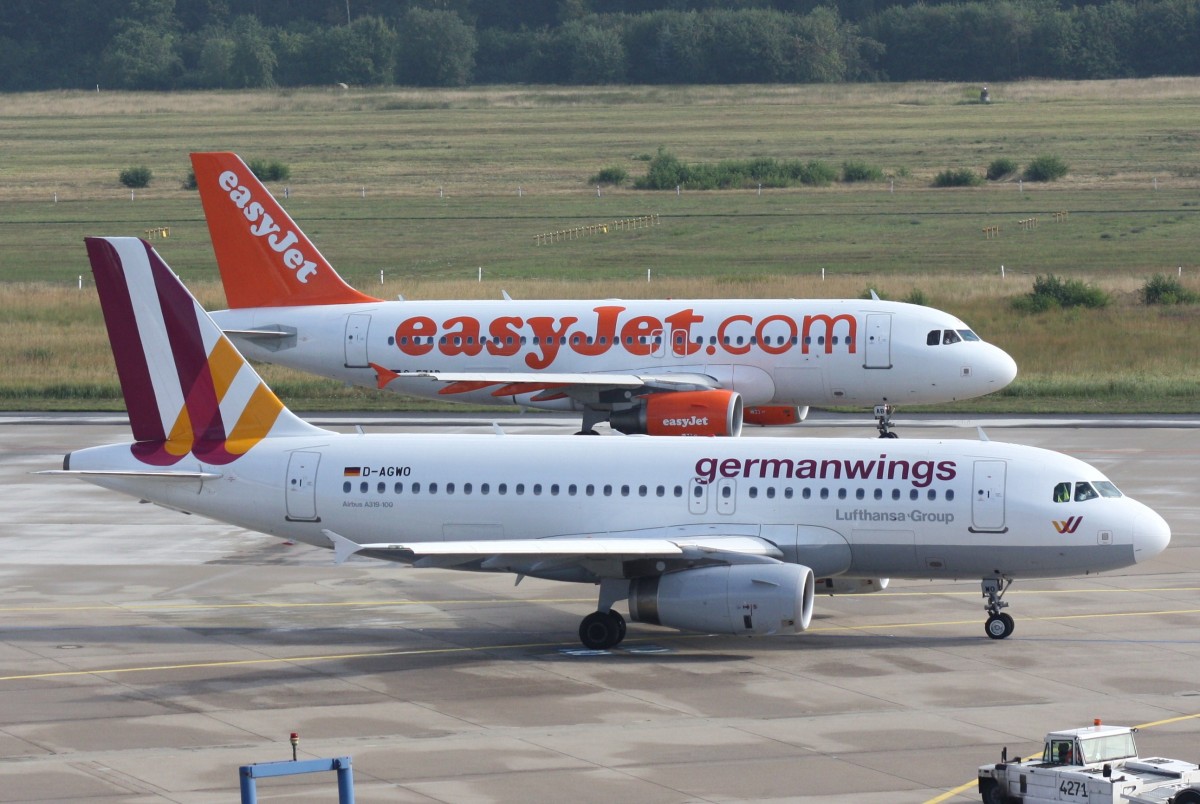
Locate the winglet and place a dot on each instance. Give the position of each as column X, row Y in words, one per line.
column 383, row 376
column 343, row 548
column 264, row 257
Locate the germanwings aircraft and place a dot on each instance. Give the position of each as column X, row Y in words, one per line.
column 729, row 536
column 658, row 367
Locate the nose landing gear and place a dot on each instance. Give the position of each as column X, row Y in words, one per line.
column 883, row 420
column 999, row 625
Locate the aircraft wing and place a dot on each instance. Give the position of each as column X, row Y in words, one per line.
column 511, row 383
column 524, row 555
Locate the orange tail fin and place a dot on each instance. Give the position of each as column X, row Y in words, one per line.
column 264, row 258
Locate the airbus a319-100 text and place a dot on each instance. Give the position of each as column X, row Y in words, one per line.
column 728, row 536
column 696, row 367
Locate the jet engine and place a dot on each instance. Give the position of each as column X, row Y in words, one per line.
column 851, row 586
column 775, row 415
column 740, row 599
column 702, row 413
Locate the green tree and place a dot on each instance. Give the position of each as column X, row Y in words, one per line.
column 436, row 49
column 214, row 59
column 592, row 53
column 253, row 62
column 141, row 57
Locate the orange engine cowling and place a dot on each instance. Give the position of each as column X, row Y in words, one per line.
column 775, row 415
column 695, row 413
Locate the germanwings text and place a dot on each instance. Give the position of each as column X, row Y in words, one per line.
column 919, row 473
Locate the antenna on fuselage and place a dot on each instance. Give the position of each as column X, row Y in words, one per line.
column 982, row 435
column 874, row 295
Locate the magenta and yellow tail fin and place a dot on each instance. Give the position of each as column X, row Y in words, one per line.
column 264, row 258
column 187, row 389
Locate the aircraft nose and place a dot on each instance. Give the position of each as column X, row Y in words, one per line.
column 1000, row 370
column 1151, row 535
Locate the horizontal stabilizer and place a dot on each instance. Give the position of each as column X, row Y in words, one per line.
column 162, row 475
column 259, row 334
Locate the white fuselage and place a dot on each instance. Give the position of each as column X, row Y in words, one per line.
column 854, row 507
column 784, row 352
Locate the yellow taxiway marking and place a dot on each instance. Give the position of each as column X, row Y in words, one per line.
column 963, row 788
column 289, row 605
column 281, row 660
column 559, row 600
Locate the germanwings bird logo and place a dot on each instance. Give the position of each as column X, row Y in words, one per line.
column 184, row 382
column 1067, row 526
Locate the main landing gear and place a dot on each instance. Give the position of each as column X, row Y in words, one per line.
column 999, row 625
column 883, row 420
column 591, row 417
column 605, row 628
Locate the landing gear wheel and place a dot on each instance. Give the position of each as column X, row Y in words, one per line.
column 1191, row 796
column 589, row 431
column 999, row 626
column 602, row 630
column 889, row 434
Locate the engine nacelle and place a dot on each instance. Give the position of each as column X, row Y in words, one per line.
column 741, row 599
column 697, row 413
column 851, row 586
column 775, row 415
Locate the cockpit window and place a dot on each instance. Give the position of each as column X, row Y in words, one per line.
column 1084, row 491
column 1062, row 492
column 1107, row 489
column 950, row 336
column 933, row 338
column 968, row 335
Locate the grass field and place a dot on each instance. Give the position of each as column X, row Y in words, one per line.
column 423, row 187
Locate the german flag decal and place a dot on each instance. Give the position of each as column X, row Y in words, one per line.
column 352, row 471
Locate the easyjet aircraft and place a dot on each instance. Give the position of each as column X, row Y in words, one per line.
column 729, row 536
column 658, row 367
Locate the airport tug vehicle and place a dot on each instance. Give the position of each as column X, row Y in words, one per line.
column 1098, row 764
